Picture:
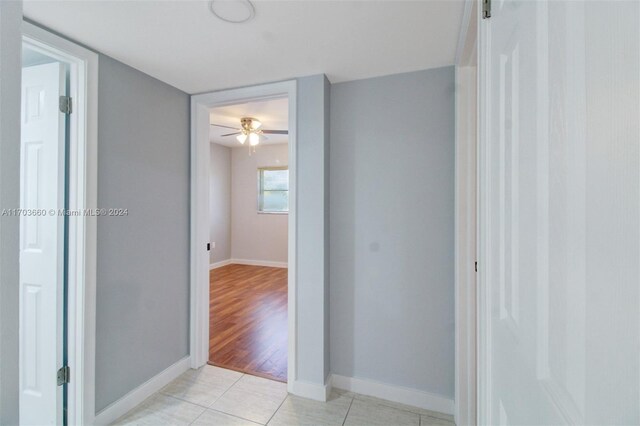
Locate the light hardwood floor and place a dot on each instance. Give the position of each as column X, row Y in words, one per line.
column 248, row 320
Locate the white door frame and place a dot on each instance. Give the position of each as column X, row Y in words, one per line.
column 466, row 218
column 200, row 172
column 483, row 292
column 465, row 247
column 82, row 166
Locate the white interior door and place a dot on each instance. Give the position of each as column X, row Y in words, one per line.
column 41, row 244
column 560, row 213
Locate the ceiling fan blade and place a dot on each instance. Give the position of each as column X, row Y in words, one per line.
column 226, row 127
column 232, row 134
column 276, row 132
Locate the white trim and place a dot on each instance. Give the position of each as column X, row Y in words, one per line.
column 142, row 392
column 464, row 28
column 311, row 390
column 465, row 246
column 83, row 159
column 483, row 315
column 200, row 146
column 268, row 263
column 399, row 394
column 466, row 220
column 220, row 264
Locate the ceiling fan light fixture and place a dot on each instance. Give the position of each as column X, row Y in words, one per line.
column 249, row 124
column 254, row 139
column 250, row 130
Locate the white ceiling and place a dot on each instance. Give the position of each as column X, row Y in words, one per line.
column 182, row 43
column 272, row 113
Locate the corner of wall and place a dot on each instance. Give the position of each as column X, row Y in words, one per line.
column 136, row 396
column 327, row 243
column 398, row 394
column 312, row 269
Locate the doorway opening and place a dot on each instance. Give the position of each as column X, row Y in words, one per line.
column 248, row 207
column 201, row 108
column 58, row 157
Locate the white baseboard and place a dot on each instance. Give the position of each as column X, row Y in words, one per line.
column 268, row 263
column 220, row 264
column 402, row 395
column 142, row 392
column 259, row 263
column 310, row 390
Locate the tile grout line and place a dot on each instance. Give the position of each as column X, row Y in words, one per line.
column 226, row 390
column 401, row 407
column 392, row 405
column 347, row 415
column 199, row 415
column 223, row 393
column 181, row 399
column 279, row 406
column 249, row 420
column 209, row 407
column 160, row 392
column 205, row 407
column 234, row 416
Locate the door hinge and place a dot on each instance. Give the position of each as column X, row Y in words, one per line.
column 476, row 265
column 64, row 375
column 486, row 9
column 66, row 105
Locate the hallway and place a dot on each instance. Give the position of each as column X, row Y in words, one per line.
column 215, row 396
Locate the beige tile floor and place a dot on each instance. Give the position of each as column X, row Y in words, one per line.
column 215, row 396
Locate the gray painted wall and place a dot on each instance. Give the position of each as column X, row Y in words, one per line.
column 312, row 247
column 220, row 202
column 143, row 259
column 10, row 77
column 391, row 230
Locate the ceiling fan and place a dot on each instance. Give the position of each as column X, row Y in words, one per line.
column 250, row 130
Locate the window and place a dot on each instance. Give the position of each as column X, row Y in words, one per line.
column 273, row 190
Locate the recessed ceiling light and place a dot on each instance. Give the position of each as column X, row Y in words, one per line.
column 233, row 11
